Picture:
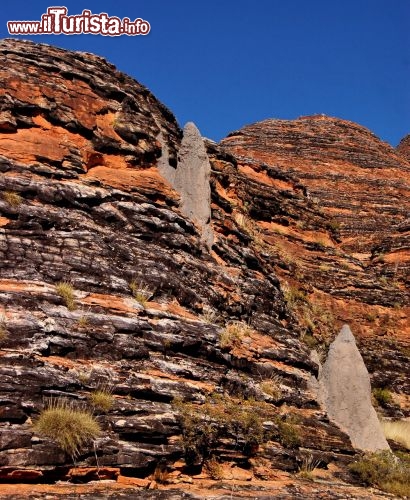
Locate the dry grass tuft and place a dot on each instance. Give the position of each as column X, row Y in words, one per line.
column 12, row 198
column 3, row 328
column 233, row 333
column 72, row 428
column 271, row 387
column 82, row 322
column 397, row 430
column 209, row 316
column 66, row 292
column 102, row 399
column 140, row 292
column 308, row 466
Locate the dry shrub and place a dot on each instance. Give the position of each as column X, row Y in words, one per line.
column 214, row 469
column 160, row 475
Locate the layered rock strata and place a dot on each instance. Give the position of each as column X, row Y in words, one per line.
column 331, row 202
column 150, row 310
column 83, row 203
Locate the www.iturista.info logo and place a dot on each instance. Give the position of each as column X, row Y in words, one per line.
column 56, row 22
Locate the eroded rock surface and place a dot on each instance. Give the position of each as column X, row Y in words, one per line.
column 404, row 147
column 83, row 201
column 345, row 393
column 329, row 203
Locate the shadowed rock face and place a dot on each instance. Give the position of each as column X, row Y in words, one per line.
column 83, row 200
column 345, row 393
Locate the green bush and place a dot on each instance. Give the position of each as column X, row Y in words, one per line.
column 385, row 470
column 70, row 427
column 382, row 395
column 288, row 434
column 221, row 417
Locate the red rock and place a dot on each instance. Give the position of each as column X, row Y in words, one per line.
column 404, row 147
column 23, row 475
column 142, row 483
column 93, row 473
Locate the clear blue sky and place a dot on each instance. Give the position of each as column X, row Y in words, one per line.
column 224, row 64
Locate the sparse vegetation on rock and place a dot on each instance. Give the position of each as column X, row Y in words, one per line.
column 233, row 334
column 3, row 328
column 102, row 399
column 100, row 214
column 288, row 434
column 66, row 292
column 271, row 387
column 388, row 472
column 140, row 292
column 317, row 323
column 308, row 466
column 221, row 416
column 12, row 198
column 71, row 427
column 214, row 468
column 382, row 395
column 82, row 321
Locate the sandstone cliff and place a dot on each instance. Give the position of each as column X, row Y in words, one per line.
column 404, row 146
column 333, row 202
column 310, row 225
